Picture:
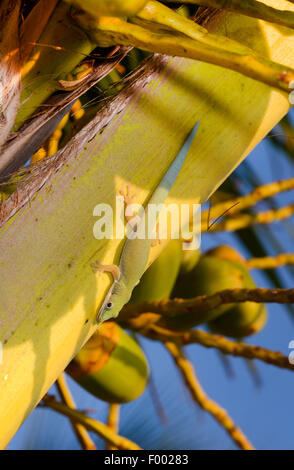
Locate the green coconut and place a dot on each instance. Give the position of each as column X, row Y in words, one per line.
column 218, row 269
column 111, row 365
column 189, row 260
column 157, row 282
column 242, row 320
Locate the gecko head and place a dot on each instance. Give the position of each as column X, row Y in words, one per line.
column 114, row 301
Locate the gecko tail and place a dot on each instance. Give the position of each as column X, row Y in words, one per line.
column 161, row 192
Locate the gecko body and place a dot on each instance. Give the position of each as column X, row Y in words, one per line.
column 135, row 253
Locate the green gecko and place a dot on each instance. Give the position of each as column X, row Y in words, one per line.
column 135, row 253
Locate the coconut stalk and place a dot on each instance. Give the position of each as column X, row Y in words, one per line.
column 49, row 294
column 71, row 35
column 254, row 8
column 193, row 42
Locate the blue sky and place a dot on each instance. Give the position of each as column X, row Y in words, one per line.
column 265, row 413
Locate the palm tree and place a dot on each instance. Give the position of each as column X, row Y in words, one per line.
column 94, row 99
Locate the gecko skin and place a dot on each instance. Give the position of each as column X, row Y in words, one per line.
column 135, row 253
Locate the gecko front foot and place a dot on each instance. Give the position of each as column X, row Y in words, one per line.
column 97, row 267
column 106, row 268
column 155, row 243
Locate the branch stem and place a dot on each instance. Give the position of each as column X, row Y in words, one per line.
column 91, row 424
column 79, row 430
column 231, row 224
column 235, row 205
column 226, row 346
column 219, row 414
column 113, row 421
column 271, row 262
column 169, row 308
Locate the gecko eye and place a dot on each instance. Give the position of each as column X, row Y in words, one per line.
column 109, row 306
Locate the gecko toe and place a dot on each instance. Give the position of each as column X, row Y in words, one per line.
column 96, row 267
